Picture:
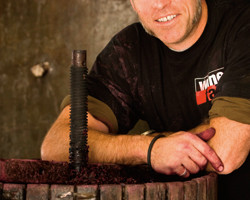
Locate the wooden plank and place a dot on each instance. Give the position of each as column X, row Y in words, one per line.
column 190, row 190
column 155, row 191
column 110, row 192
column 201, row 188
column 13, row 191
column 134, row 192
column 37, row 192
column 58, row 191
column 84, row 191
column 175, row 191
column 215, row 182
column 212, row 186
column 1, row 190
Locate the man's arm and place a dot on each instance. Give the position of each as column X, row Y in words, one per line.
column 231, row 142
column 103, row 147
column 169, row 156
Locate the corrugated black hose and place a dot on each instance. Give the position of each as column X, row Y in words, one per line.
column 78, row 152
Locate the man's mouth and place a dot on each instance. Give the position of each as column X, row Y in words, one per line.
column 165, row 19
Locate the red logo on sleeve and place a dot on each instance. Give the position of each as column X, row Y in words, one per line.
column 205, row 87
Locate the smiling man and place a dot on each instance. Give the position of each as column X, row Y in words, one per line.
column 178, row 24
column 185, row 68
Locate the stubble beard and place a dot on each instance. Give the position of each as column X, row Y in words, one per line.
column 195, row 21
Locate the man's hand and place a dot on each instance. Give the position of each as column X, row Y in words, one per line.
column 183, row 151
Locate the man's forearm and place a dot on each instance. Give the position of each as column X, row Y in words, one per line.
column 103, row 147
column 119, row 149
column 56, row 143
column 231, row 142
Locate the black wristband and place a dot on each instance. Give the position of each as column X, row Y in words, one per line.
column 150, row 149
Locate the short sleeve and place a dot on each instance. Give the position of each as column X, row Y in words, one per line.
column 99, row 110
column 232, row 98
column 112, row 80
column 234, row 108
column 235, row 81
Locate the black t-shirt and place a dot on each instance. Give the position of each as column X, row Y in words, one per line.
column 139, row 77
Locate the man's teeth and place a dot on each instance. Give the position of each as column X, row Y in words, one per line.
column 165, row 19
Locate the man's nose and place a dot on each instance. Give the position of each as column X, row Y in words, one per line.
column 160, row 4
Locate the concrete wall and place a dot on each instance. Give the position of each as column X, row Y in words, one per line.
column 46, row 31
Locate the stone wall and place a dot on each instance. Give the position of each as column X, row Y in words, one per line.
column 44, row 33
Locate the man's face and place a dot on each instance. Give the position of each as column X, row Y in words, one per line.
column 174, row 22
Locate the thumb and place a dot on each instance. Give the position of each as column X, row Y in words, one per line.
column 207, row 134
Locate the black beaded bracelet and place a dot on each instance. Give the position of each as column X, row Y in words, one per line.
column 150, row 149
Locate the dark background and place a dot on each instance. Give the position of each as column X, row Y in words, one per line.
column 36, row 31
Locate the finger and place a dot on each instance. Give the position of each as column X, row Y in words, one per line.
column 182, row 172
column 197, row 157
column 207, row 134
column 210, row 155
column 190, row 165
